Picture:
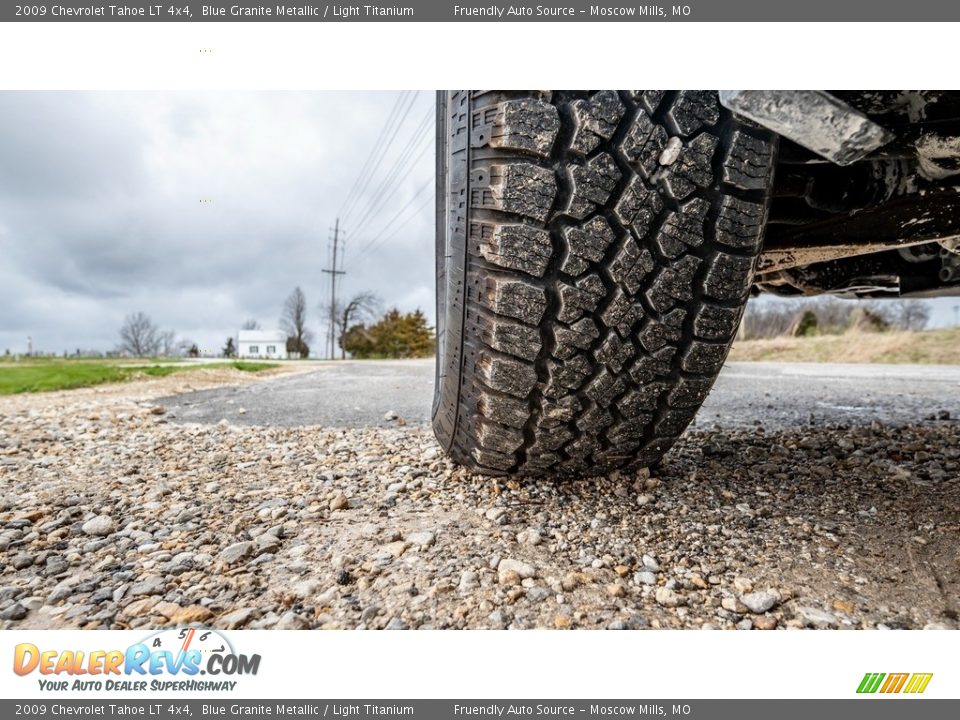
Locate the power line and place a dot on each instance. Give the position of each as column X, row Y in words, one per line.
column 373, row 152
column 356, row 202
column 379, row 239
column 422, row 141
column 413, row 140
column 361, row 199
column 381, row 155
column 398, row 228
column 393, row 219
column 429, row 183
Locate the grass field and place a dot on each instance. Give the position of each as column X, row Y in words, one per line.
column 40, row 375
column 929, row 346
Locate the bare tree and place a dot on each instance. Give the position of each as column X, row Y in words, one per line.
column 185, row 346
column 908, row 314
column 765, row 318
column 363, row 307
column 139, row 336
column 250, row 324
column 294, row 323
column 167, row 343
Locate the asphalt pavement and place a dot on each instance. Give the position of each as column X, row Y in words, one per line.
column 347, row 393
column 774, row 395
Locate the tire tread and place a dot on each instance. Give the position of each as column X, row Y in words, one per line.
column 612, row 242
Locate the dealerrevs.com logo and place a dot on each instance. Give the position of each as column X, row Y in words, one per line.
column 168, row 660
column 910, row 683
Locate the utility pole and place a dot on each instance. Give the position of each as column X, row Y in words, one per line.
column 333, row 290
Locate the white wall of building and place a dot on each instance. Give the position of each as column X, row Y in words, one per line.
column 262, row 345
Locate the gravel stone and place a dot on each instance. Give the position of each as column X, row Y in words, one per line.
column 99, row 525
column 236, row 619
column 616, row 590
column 668, row 598
column 236, row 552
column 267, row 543
column 816, row 617
column 733, row 605
column 645, row 577
column 468, row 582
column 22, row 560
column 153, row 585
column 291, row 620
column 760, row 602
column 393, row 550
column 15, row 612
column 422, row 539
column 190, row 615
column 765, row 622
column 520, row 569
column 529, row 537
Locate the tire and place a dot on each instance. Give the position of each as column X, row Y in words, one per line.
column 594, row 255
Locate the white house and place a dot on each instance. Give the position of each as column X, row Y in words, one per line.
column 262, row 344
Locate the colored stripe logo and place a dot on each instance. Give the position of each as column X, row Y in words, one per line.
column 913, row 683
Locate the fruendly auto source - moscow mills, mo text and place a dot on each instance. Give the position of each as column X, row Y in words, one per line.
column 548, row 11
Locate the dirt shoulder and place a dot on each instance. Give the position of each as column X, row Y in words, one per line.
column 113, row 517
column 931, row 346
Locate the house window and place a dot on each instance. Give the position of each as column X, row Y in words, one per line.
column 271, row 349
column 254, row 349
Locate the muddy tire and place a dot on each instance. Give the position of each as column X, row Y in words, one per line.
column 594, row 255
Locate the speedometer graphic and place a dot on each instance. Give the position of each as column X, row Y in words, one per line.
column 182, row 640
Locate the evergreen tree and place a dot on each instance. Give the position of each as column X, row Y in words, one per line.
column 395, row 335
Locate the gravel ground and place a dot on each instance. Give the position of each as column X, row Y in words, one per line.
column 113, row 516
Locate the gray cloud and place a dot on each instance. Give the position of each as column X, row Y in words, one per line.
column 101, row 212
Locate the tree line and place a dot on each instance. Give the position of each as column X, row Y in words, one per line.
column 362, row 329
column 830, row 316
column 141, row 337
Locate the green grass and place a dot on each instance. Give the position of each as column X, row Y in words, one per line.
column 44, row 375
column 251, row 366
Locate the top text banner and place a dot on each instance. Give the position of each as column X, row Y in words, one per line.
column 479, row 11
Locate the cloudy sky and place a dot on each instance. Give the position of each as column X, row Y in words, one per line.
column 203, row 210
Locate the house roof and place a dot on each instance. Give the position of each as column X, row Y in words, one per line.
column 271, row 336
